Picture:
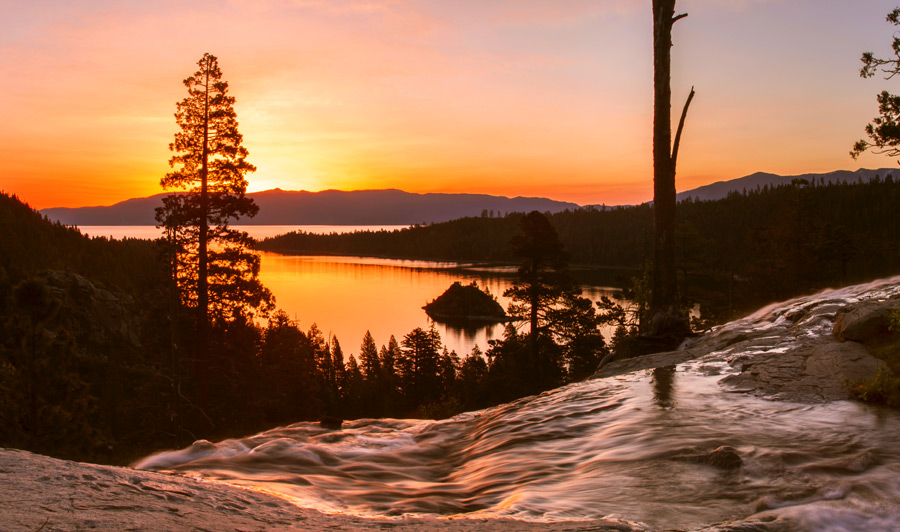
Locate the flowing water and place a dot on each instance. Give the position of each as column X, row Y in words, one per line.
column 609, row 449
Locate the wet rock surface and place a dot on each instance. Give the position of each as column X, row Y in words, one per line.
column 809, row 373
column 777, row 357
column 724, row 457
column 50, row 495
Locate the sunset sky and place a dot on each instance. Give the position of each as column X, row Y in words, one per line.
column 510, row 97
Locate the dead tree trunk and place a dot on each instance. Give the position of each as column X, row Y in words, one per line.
column 665, row 318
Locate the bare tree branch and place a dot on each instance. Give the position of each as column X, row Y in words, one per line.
column 680, row 127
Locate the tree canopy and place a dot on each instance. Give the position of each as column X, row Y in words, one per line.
column 212, row 266
column 884, row 130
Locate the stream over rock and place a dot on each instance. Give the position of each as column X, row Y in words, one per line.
column 745, row 428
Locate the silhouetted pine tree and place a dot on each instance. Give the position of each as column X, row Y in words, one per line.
column 214, row 271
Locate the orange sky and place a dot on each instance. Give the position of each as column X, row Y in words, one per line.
column 510, row 97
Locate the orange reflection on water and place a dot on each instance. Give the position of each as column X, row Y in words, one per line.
column 346, row 296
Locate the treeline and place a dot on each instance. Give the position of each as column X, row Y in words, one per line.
column 280, row 374
column 616, row 237
column 735, row 254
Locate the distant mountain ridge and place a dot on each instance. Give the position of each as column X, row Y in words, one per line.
column 721, row 189
column 329, row 207
column 395, row 207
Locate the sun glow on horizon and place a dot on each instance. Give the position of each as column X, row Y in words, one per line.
column 512, row 98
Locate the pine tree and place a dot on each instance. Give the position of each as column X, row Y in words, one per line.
column 368, row 357
column 388, row 380
column 211, row 265
column 324, row 368
column 417, row 365
column 339, row 381
column 563, row 334
column 884, row 130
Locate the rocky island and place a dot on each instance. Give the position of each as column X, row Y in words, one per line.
column 466, row 303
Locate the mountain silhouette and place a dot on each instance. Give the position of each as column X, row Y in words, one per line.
column 329, row 207
column 721, row 189
column 395, row 207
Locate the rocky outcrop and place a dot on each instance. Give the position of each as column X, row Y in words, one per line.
column 866, row 321
column 100, row 320
column 808, row 373
column 776, row 354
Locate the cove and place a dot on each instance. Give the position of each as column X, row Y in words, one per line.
column 346, row 296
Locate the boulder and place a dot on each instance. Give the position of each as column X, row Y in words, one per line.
column 100, row 320
column 724, row 457
column 808, row 373
column 865, row 321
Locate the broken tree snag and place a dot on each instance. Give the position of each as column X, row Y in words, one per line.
column 664, row 318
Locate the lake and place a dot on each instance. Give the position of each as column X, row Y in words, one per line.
column 347, row 296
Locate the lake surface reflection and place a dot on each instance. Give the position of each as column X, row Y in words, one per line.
column 346, row 296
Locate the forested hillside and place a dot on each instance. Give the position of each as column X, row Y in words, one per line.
column 82, row 340
column 31, row 243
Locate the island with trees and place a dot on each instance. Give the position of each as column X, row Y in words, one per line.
column 466, row 304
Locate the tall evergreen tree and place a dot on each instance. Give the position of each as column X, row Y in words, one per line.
column 542, row 278
column 339, row 383
column 417, row 365
column 214, row 271
column 563, row 325
column 368, row 358
column 388, row 381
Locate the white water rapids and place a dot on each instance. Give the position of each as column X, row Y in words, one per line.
column 606, row 449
